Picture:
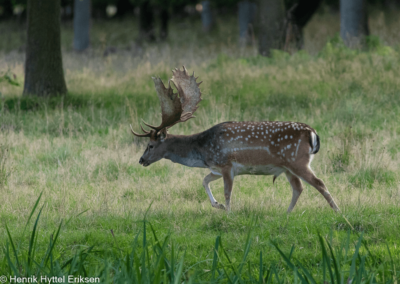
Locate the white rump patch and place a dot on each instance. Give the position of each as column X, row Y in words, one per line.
column 314, row 142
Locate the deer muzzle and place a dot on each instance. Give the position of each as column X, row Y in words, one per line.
column 143, row 162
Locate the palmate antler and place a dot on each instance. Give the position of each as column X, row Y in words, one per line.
column 175, row 109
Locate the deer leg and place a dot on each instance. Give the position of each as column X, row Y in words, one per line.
column 209, row 178
column 297, row 189
column 309, row 177
column 228, row 176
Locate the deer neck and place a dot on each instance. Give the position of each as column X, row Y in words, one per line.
column 184, row 150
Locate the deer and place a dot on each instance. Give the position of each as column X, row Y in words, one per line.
column 230, row 149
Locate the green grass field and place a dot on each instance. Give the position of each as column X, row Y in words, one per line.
column 79, row 153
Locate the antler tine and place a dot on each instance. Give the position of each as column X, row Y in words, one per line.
column 148, row 125
column 148, row 134
column 145, row 131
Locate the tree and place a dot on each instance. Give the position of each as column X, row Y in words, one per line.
column 281, row 28
column 147, row 18
column 207, row 16
column 246, row 15
column 6, row 7
column 81, row 24
column 299, row 12
column 164, row 19
column 353, row 22
column 146, row 21
column 44, row 75
column 271, row 26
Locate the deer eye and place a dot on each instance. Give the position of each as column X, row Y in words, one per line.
column 151, row 146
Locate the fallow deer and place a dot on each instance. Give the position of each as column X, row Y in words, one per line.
column 231, row 148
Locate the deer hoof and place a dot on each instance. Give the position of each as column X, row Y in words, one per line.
column 219, row 206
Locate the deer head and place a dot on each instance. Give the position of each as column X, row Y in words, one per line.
column 175, row 108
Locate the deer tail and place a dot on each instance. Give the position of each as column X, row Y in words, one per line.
column 314, row 143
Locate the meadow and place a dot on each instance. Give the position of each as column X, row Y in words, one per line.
column 74, row 160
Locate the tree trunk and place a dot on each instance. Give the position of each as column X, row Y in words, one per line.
column 7, row 7
column 391, row 4
column 146, row 22
column 246, row 15
column 207, row 16
column 81, row 24
column 164, row 19
column 297, row 17
column 353, row 22
column 271, row 25
column 44, row 75
column 124, row 7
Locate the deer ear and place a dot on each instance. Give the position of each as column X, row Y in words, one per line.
column 162, row 134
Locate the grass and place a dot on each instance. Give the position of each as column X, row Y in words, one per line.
column 154, row 260
column 77, row 151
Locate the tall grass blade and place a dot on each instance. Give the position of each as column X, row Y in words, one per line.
column 53, row 244
column 288, row 262
column 327, row 258
column 215, row 258
column 31, row 242
column 347, row 246
column 261, row 273
column 355, row 255
column 147, row 211
column 10, row 263
column 335, row 264
column 291, row 252
column 226, row 272
column 33, row 210
column 246, row 252
column 143, row 255
column 392, row 263
column 155, row 237
column 268, row 277
column 360, row 271
column 137, row 264
column 307, row 274
column 29, row 218
column 13, row 247
column 159, row 268
column 276, row 274
column 295, row 275
column 179, row 272
column 229, row 260
column 77, row 215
